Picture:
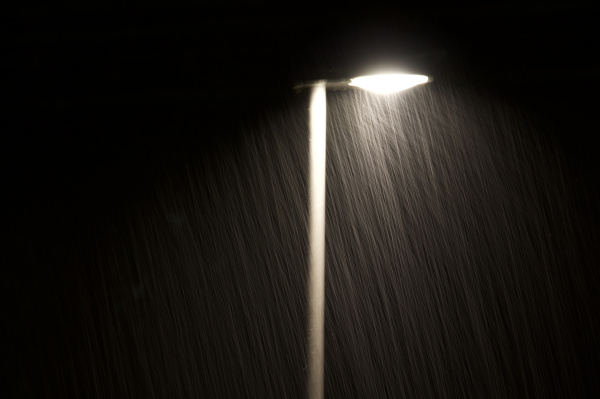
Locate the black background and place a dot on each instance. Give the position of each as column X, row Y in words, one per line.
column 89, row 86
column 100, row 96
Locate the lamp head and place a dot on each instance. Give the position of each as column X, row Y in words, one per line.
column 388, row 83
column 382, row 84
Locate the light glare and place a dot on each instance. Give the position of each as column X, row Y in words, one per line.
column 388, row 83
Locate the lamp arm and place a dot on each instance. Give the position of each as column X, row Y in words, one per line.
column 334, row 84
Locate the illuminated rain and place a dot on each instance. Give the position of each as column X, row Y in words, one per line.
column 450, row 262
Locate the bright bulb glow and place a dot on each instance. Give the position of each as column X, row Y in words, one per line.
column 388, row 83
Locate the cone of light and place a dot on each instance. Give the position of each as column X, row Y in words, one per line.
column 388, row 83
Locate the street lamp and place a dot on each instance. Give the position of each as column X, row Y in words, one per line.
column 382, row 84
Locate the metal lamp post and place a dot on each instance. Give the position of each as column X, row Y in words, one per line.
column 318, row 120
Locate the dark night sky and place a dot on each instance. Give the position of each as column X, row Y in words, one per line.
column 186, row 65
column 105, row 100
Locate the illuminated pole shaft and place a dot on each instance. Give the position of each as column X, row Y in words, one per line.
column 316, row 298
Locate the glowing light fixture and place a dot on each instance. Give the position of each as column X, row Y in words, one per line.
column 388, row 83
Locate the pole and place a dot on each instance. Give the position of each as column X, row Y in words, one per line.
column 316, row 298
